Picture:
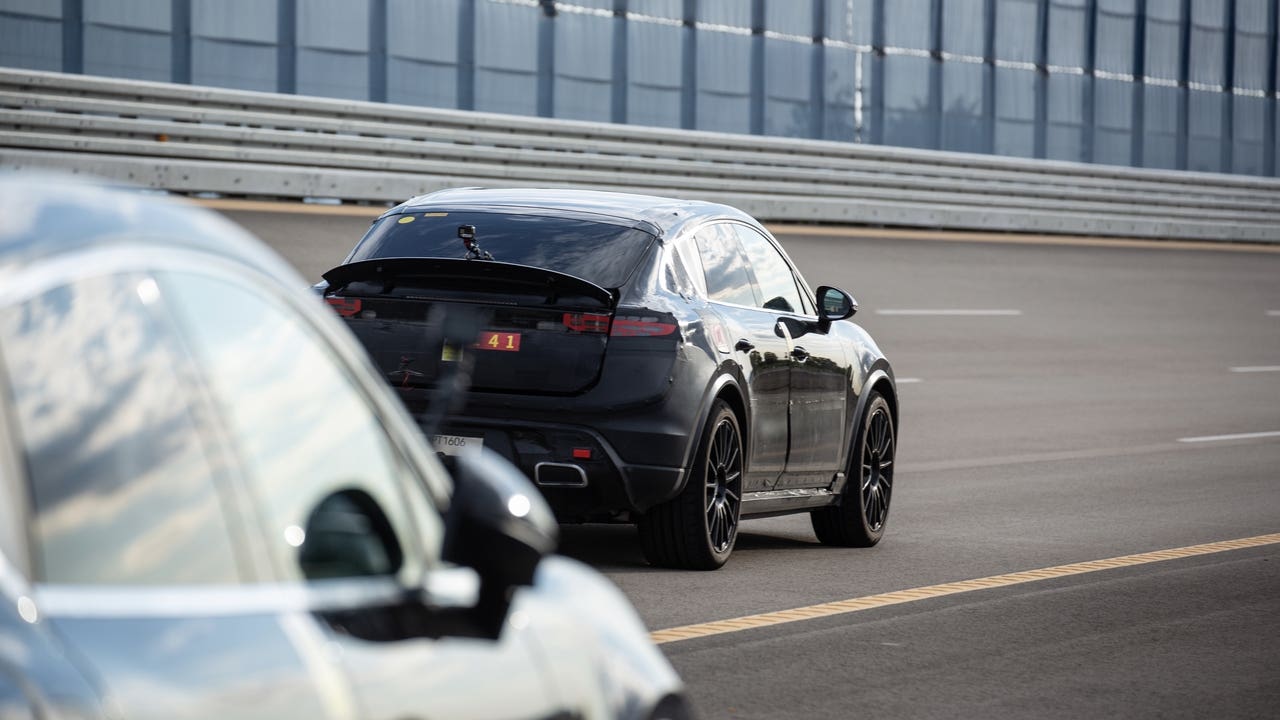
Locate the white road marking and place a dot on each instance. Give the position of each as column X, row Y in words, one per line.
column 1273, row 313
column 905, row 381
column 951, row 312
column 1237, row 436
column 1250, row 369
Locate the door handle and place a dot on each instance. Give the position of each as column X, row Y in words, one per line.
column 800, row 354
column 744, row 345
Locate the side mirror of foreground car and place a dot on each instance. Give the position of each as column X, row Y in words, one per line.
column 499, row 525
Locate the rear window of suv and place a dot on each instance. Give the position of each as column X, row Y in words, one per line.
column 599, row 252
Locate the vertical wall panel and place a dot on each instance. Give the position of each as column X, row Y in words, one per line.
column 1113, row 122
column 1067, row 33
column 1249, row 119
column 1204, row 130
column 1208, row 41
column 1015, row 112
column 731, row 13
column 906, row 24
column 1064, row 135
column 655, row 57
column 31, row 34
column 964, row 126
column 507, row 57
column 584, row 67
column 792, row 17
column 233, row 44
column 849, row 21
column 724, row 81
column 907, row 120
column 1160, row 131
column 964, row 27
column 669, row 9
column 788, row 65
column 422, row 52
column 840, row 120
column 1016, row 30
column 1163, row 51
column 1116, row 23
column 129, row 40
column 333, row 48
column 1251, row 44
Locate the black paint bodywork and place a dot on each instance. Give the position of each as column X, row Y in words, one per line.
column 640, row 408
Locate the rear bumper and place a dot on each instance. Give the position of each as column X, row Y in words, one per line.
column 581, row 470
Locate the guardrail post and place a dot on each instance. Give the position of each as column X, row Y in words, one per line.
column 466, row 54
column 935, row 74
column 818, row 73
column 621, row 74
column 756, row 101
column 286, row 46
column 877, row 72
column 1088, row 112
column 989, row 75
column 73, row 36
column 180, row 42
column 547, row 59
column 689, row 91
column 1228, row 87
column 378, row 50
column 1269, row 113
column 1040, row 129
column 1184, row 86
column 1138, row 124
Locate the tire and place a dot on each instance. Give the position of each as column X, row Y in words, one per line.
column 858, row 520
column 696, row 529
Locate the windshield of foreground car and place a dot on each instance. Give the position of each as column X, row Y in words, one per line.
column 599, row 252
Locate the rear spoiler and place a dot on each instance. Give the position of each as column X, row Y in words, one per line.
column 473, row 273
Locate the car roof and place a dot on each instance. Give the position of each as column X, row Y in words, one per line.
column 665, row 214
column 44, row 216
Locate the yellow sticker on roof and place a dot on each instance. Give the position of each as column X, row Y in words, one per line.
column 406, row 219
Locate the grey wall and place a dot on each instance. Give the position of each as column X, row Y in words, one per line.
column 1183, row 84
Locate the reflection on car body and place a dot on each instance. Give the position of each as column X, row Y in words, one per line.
column 213, row 507
column 642, row 359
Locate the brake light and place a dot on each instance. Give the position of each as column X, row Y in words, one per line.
column 587, row 322
column 641, row 327
column 346, row 307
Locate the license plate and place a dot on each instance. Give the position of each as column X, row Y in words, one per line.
column 457, row 444
column 503, row 341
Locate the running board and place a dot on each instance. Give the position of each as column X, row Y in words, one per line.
column 778, row 502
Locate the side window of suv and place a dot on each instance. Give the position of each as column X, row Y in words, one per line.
column 125, row 485
column 725, row 265
column 773, row 275
column 328, row 482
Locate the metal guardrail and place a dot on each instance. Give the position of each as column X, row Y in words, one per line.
column 194, row 139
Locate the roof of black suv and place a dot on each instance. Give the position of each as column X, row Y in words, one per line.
column 664, row 213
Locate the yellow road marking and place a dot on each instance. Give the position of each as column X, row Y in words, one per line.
column 871, row 602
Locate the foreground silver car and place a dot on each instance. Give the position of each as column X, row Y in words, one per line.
column 213, row 507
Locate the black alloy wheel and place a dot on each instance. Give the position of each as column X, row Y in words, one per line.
column 696, row 530
column 859, row 519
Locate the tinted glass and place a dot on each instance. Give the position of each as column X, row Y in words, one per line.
column 314, row 449
column 773, row 274
column 725, row 266
column 601, row 253
column 122, row 487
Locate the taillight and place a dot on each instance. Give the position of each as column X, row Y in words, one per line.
column 642, row 326
column 587, row 322
column 346, row 307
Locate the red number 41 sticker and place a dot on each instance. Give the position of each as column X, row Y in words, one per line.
column 506, row 342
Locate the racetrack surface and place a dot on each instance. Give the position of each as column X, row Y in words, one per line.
column 1063, row 403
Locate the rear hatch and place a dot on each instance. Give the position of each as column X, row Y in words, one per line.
column 527, row 330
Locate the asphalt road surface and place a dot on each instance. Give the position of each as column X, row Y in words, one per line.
column 1061, row 403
